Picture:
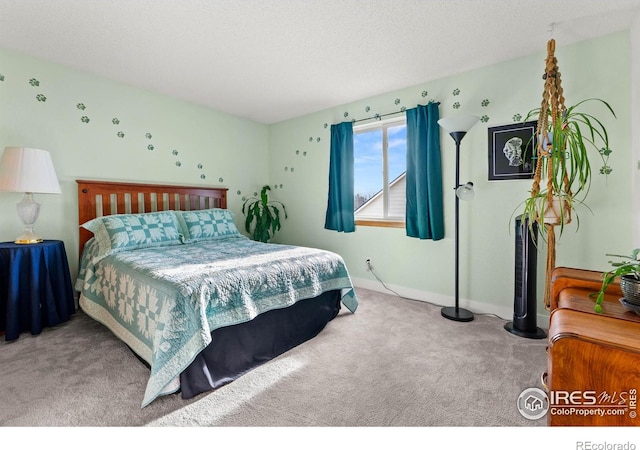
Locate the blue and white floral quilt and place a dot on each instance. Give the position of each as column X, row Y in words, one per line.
column 165, row 301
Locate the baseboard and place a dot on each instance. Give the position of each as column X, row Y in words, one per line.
column 505, row 314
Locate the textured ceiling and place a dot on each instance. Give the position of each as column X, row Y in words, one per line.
column 271, row 60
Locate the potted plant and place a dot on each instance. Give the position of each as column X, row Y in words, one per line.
column 628, row 269
column 262, row 216
column 565, row 164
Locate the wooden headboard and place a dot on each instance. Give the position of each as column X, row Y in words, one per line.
column 103, row 198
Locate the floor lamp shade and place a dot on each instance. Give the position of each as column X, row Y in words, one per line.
column 28, row 170
column 461, row 123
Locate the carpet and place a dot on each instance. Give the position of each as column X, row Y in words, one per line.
column 394, row 363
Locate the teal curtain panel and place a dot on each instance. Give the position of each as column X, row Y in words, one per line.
column 340, row 204
column 424, row 205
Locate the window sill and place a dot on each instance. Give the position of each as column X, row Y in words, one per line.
column 380, row 223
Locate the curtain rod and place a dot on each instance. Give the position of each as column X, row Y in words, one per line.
column 380, row 116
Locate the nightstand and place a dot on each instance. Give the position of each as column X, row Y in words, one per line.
column 35, row 287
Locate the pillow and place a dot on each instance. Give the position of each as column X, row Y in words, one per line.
column 121, row 232
column 207, row 224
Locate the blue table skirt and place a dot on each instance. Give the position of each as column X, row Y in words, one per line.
column 35, row 287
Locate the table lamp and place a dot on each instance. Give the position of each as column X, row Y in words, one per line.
column 28, row 170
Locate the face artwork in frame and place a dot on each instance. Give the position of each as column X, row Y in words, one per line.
column 512, row 151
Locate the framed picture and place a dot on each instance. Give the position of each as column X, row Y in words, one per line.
column 512, row 151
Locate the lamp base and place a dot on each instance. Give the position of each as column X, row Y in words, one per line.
column 28, row 211
column 28, row 237
column 457, row 314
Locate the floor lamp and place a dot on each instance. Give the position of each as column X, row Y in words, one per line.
column 457, row 126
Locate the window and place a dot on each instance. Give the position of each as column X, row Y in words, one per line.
column 380, row 155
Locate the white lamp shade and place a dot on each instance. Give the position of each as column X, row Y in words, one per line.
column 458, row 123
column 30, row 170
column 465, row 192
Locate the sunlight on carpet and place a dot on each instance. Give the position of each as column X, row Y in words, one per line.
column 224, row 401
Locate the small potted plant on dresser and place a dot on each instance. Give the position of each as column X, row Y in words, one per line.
column 266, row 215
column 627, row 267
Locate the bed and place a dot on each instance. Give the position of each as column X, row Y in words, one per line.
column 165, row 269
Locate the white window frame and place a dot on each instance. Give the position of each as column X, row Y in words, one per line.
column 385, row 220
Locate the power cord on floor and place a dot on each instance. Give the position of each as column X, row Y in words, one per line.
column 370, row 269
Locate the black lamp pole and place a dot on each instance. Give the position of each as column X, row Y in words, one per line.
column 455, row 312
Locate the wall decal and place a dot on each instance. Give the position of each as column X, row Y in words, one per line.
column 238, row 192
column 367, row 109
column 397, row 101
column 346, row 114
column 606, row 170
column 456, row 91
column 485, row 102
column 484, row 118
column 85, row 119
column 456, row 105
column 424, row 93
column 517, row 117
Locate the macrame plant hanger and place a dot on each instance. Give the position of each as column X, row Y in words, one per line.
column 552, row 108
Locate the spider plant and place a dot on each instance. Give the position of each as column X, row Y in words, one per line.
column 262, row 216
column 565, row 167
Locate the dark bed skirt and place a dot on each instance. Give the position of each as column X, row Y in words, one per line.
column 236, row 350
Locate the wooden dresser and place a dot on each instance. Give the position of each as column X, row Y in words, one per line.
column 593, row 372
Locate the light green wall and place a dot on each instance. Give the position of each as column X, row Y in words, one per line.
column 294, row 157
column 425, row 269
column 233, row 152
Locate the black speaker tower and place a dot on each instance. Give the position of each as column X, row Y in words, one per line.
column 524, row 307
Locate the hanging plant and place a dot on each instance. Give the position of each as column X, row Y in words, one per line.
column 562, row 179
column 565, row 150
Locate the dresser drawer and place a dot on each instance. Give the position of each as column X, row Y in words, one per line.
column 593, row 373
